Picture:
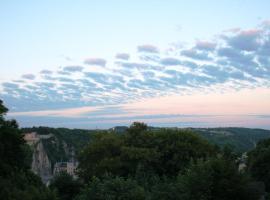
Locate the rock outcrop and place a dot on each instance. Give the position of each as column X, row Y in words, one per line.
column 48, row 150
column 41, row 164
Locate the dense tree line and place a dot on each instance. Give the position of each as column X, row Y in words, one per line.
column 161, row 164
column 259, row 163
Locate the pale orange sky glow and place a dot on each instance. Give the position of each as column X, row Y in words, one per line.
column 235, row 108
column 246, row 101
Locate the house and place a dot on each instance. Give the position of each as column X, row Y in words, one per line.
column 69, row 167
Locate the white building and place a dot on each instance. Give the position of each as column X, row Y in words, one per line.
column 69, row 167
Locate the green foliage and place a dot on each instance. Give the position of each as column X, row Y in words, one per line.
column 24, row 185
column 16, row 179
column 3, row 110
column 59, row 147
column 162, row 164
column 13, row 149
column 163, row 152
column 55, row 150
column 66, row 186
column 161, row 188
column 259, row 162
column 241, row 139
column 213, row 179
column 101, row 155
column 136, row 128
column 216, row 179
column 112, row 188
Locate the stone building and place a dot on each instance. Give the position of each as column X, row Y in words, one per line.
column 69, row 167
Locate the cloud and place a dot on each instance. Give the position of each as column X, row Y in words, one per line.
column 122, row 56
column 205, row 45
column 48, row 85
column 49, row 77
column 233, row 60
column 265, row 48
column 18, row 81
column 170, row 61
column 98, row 77
column 61, row 72
column 243, row 62
column 73, row 68
column 95, row 61
column 147, row 48
column 29, row 76
column 247, row 40
column 232, row 30
column 220, row 74
column 149, row 58
column 198, row 55
column 141, row 65
column 64, row 79
column 10, row 85
column 47, row 72
column 85, row 83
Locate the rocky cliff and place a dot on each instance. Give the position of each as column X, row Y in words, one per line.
column 50, row 146
column 41, row 164
column 47, row 150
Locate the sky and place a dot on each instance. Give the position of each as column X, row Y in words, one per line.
column 99, row 64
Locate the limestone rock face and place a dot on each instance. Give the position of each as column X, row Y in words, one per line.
column 48, row 149
column 41, row 164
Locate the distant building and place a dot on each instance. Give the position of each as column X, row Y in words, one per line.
column 69, row 167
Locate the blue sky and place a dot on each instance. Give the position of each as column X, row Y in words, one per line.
column 58, row 58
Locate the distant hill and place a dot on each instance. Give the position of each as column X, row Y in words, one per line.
column 242, row 139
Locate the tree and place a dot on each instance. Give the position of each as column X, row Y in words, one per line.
column 66, row 186
column 113, row 188
column 13, row 150
column 259, row 162
column 215, row 179
column 16, row 179
column 164, row 152
column 136, row 128
column 100, row 156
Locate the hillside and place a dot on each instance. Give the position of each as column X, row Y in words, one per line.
column 241, row 139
